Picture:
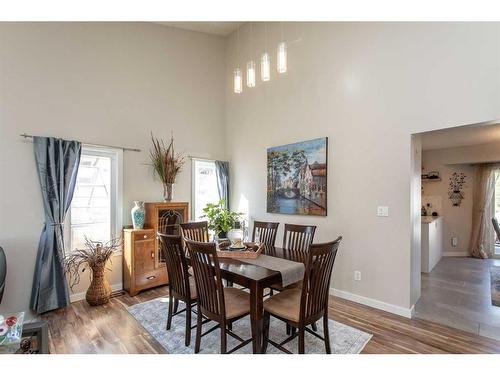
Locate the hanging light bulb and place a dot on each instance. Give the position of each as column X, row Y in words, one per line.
column 265, row 67
column 238, row 81
column 251, row 73
column 281, row 58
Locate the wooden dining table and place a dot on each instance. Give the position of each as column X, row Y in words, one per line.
column 256, row 279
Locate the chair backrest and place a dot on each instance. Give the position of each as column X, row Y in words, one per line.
column 266, row 231
column 177, row 267
column 496, row 226
column 203, row 256
column 297, row 239
column 316, row 285
column 195, row 231
column 3, row 272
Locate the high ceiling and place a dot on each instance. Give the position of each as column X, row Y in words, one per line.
column 216, row 28
column 461, row 136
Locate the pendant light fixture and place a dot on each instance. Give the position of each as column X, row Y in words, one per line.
column 265, row 62
column 281, row 57
column 237, row 76
column 238, row 81
column 251, row 73
column 251, row 65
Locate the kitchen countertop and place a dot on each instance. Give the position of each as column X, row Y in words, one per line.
column 429, row 219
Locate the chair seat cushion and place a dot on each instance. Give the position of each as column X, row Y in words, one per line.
column 237, row 302
column 285, row 304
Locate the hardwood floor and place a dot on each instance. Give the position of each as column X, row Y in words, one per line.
column 80, row 328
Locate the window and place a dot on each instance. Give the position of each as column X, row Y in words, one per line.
column 204, row 189
column 95, row 210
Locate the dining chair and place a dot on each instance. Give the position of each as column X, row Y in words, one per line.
column 181, row 285
column 296, row 242
column 223, row 305
column 302, row 307
column 297, row 239
column 195, row 231
column 265, row 232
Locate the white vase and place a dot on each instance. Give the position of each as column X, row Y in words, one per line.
column 138, row 214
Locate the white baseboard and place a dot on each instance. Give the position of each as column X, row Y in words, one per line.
column 398, row 310
column 81, row 296
column 456, row 254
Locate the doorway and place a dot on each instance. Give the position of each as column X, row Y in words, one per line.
column 455, row 288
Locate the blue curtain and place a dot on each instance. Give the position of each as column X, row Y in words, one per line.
column 57, row 163
column 222, row 173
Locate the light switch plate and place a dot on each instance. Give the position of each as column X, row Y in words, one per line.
column 382, row 211
column 454, row 241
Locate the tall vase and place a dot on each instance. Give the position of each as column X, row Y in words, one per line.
column 168, row 189
column 138, row 214
column 99, row 290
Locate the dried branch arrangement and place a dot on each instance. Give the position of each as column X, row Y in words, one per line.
column 94, row 255
column 166, row 163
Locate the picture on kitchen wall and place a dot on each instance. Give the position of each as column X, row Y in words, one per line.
column 297, row 178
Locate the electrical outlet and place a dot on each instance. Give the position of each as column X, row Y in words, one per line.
column 454, row 241
column 382, row 211
column 357, row 275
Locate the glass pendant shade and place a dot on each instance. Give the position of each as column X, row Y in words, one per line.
column 251, row 73
column 238, row 81
column 265, row 67
column 281, row 58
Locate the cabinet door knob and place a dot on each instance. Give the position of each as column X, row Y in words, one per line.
column 152, row 255
column 145, row 236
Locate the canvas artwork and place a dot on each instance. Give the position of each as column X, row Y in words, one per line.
column 297, row 178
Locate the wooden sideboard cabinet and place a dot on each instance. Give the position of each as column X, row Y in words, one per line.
column 143, row 263
column 141, row 268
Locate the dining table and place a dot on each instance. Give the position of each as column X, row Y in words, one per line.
column 256, row 278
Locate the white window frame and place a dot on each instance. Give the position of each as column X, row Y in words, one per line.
column 116, row 190
column 193, row 184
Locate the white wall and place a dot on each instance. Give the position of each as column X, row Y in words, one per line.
column 110, row 83
column 457, row 221
column 367, row 87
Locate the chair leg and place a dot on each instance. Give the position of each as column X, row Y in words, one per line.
column 301, row 340
column 288, row 329
column 314, row 327
column 188, row 324
column 176, row 305
column 223, row 339
column 267, row 318
column 198, row 331
column 169, row 317
column 326, row 333
column 230, row 326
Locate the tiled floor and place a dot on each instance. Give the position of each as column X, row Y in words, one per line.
column 457, row 293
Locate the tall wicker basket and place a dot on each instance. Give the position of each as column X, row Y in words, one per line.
column 99, row 290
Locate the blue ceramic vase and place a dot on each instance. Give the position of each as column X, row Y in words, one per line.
column 138, row 214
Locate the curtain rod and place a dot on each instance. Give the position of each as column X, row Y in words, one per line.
column 92, row 144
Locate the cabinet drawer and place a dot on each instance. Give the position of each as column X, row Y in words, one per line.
column 143, row 236
column 151, row 279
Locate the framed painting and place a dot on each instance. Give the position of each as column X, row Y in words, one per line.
column 297, row 178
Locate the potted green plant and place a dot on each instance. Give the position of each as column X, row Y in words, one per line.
column 220, row 219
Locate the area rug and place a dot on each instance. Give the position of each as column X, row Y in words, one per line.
column 495, row 285
column 152, row 315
